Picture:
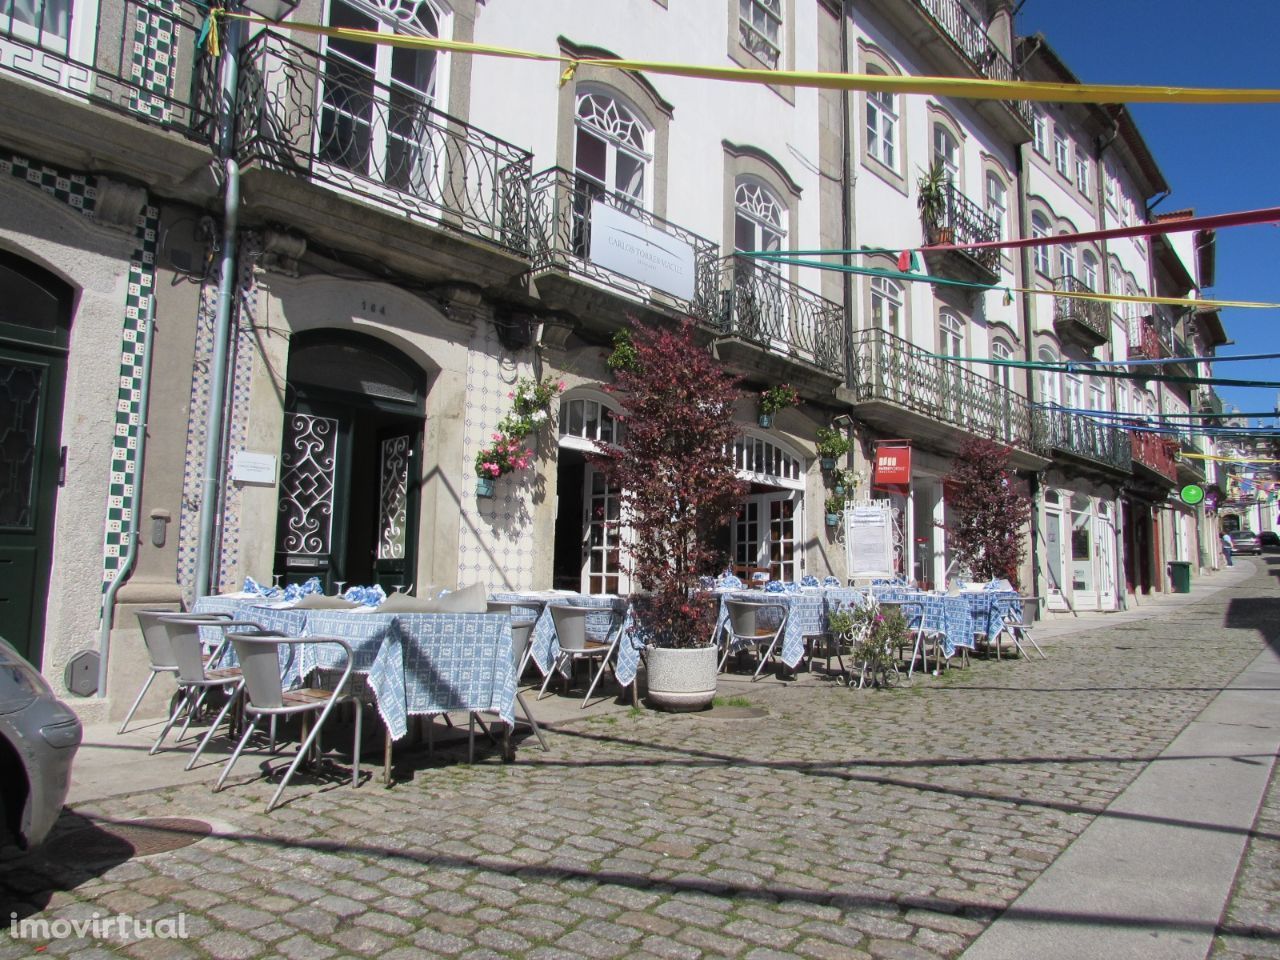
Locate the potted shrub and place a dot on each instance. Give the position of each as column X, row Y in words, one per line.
column 931, row 199
column 831, row 444
column 835, row 507
column 843, row 482
column 986, row 511
column 776, row 398
column 679, row 490
column 875, row 636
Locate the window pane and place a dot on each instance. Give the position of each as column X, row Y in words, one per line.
column 630, row 176
column 591, row 156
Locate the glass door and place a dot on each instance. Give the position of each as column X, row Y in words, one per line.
column 603, row 537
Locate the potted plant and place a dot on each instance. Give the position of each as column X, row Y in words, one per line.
column 530, row 410
column 831, row 444
column 776, row 398
column 835, row 507
column 679, row 490
column 987, row 513
column 931, row 199
column 502, row 455
column 875, row 635
column 843, row 482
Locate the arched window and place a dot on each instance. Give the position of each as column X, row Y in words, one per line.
column 1003, row 374
column 374, row 95
column 612, row 146
column 1089, row 270
column 950, row 334
column 882, row 123
column 1040, row 228
column 997, row 203
column 1066, row 260
column 1048, row 379
column 886, row 305
column 588, row 420
column 760, row 221
column 763, row 461
column 947, row 152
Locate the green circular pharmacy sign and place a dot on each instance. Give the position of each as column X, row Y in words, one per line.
column 1192, row 493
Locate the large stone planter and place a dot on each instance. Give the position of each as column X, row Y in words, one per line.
column 681, row 679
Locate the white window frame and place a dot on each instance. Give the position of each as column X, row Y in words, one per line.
column 1061, row 154
column 946, row 150
column 1049, row 387
column 617, row 140
column 882, row 124
column 755, row 204
column 998, row 202
column 950, row 334
column 887, row 303
column 1089, row 270
column 1082, row 172
column 753, row 13
column 1040, row 228
column 592, row 401
column 1066, row 260
column 1040, row 133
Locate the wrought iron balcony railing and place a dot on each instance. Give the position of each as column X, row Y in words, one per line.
column 764, row 308
column 560, row 215
column 886, row 367
column 1086, row 322
column 963, row 221
column 971, row 38
column 1144, row 342
column 321, row 118
column 1082, row 436
column 141, row 58
column 1155, row 452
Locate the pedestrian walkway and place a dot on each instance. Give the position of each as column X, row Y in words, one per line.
column 953, row 815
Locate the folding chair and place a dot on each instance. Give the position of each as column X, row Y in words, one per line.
column 745, row 629
column 521, row 630
column 1019, row 629
column 259, row 657
column 575, row 645
column 159, row 650
column 195, row 675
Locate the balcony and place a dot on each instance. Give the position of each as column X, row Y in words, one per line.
column 304, row 119
column 963, row 221
column 899, row 388
column 599, row 256
column 783, row 318
column 123, row 98
column 1085, row 323
column 1190, row 469
column 1084, row 439
column 1180, row 348
column 969, row 38
column 1153, row 458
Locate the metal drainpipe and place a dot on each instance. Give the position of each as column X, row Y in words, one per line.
column 1024, row 259
column 131, row 548
column 846, row 222
column 226, row 302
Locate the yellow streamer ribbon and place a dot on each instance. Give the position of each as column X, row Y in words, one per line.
column 1205, row 456
column 1139, row 298
column 960, row 87
column 211, row 39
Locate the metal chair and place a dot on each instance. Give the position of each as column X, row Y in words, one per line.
column 745, row 629
column 259, row 657
column 1019, row 629
column 196, row 677
column 521, row 631
column 575, row 645
column 159, row 651
column 526, row 651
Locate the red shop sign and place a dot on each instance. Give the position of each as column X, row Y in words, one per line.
column 893, row 466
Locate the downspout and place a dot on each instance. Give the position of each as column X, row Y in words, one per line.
column 131, row 535
column 846, row 202
column 1024, row 260
column 226, row 302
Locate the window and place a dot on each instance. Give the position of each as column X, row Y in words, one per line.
column 882, row 124
column 886, row 305
column 1002, row 373
column 1047, row 379
column 375, row 97
column 947, row 152
column 1061, row 154
column 997, row 203
column 1097, row 396
column 1040, row 134
column 1066, row 260
column 760, row 29
column 1109, row 185
column 950, row 334
column 1082, row 172
column 1040, row 228
column 611, row 148
column 1089, row 270
column 590, row 420
column 759, row 221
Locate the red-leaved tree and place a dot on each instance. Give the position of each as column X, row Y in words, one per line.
column 675, row 469
column 986, row 511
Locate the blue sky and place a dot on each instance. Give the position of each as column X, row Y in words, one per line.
column 1217, row 159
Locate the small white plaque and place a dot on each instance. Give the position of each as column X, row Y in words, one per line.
column 254, row 468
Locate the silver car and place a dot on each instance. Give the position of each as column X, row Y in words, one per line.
column 38, row 739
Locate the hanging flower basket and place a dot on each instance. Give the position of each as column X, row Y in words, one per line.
column 484, row 486
column 833, row 519
column 827, row 463
column 838, row 489
column 765, row 420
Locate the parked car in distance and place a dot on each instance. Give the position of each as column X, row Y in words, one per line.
column 1245, row 541
column 39, row 735
column 1270, row 539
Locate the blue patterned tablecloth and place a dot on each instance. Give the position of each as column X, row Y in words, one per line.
column 946, row 616
column 989, row 609
column 600, row 625
column 432, row 663
column 287, row 621
column 806, row 614
column 366, row 632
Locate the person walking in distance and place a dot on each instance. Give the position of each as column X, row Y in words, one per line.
column 1226, row 548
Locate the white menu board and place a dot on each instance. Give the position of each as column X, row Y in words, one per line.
column 868, row 542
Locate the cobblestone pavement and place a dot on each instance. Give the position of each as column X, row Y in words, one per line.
column 846, row 823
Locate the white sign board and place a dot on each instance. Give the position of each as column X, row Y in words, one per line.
column 868, row 542
column 254, row 468
column 642, row 252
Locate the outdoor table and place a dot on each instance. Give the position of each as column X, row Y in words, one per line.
column 989, row 609
column 287, row 621
column 806, row 613
column 948, row 617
